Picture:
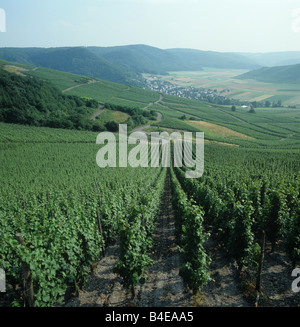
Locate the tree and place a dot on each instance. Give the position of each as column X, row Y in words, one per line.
column 112, row 126
column 267, row 104
column 277, row 104
column 251, row 110
column 254, row 104
column 233, row 108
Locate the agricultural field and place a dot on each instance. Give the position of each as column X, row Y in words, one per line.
column 115, row 237
column 101, row 90
column 266, row 128
column 117, row 116
column 68, row 211
column 84, row 86
column 117, row 230
column 244, row 90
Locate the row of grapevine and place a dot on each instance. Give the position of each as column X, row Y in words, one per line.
column 191, row 237
column 136, row 230
column 61, row 242
column 238, row 212
column 68, row 211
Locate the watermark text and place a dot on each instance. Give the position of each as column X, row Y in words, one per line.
column 2, row 281
column 188, row 150
column 296, row 282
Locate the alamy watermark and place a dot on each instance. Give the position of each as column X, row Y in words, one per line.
column 2, row 20
column 296, row 282
column 2, row 281
column 139, row 155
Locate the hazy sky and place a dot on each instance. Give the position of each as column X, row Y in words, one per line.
column 219, row 25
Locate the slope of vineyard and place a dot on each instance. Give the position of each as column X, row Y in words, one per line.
column 266, row 128
column 164, row 287
column 235, row 198
column 244, row 196
column 59, row 201
column 70, row 212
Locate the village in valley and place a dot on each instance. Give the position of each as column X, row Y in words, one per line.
column 215, row 96
column 155, row 83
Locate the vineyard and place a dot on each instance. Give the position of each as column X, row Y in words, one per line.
column 60, row 214
column 148, row 236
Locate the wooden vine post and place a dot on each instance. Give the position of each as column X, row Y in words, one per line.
column 27, row 280
column 258, row 278
column 100, row 231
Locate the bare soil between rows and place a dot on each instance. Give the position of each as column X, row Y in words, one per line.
column 165, row 288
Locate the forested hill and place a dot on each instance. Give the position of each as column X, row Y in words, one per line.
column 31, row 101
column 76, row 60
column 123, row 64
column 226, row 60
column 145, row 59
column 281, row 74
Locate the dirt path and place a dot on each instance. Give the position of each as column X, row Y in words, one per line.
column 232, row 116
column 164, row 287
column 98, row 113
column 159, row 117
column 74, row 87
column 156, row 102
column 71, row 88
column 141, row 129
column 224, row 289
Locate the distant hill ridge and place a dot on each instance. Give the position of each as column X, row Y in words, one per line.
column 76, row 60
column 145, row 59
column 272, row 59
column 124, row 64
column 280, row 74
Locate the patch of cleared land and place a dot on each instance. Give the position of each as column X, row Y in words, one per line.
column 219, row 130
column 110, row 115
column 15, row 69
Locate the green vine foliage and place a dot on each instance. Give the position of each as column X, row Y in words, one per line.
column 293, row 237
column 191, row 237
column 241, row 237
column 133, row 259
column 238, row 207
column 135, row 232
column 58, row 215
column 61, row 242
column 277, row 215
